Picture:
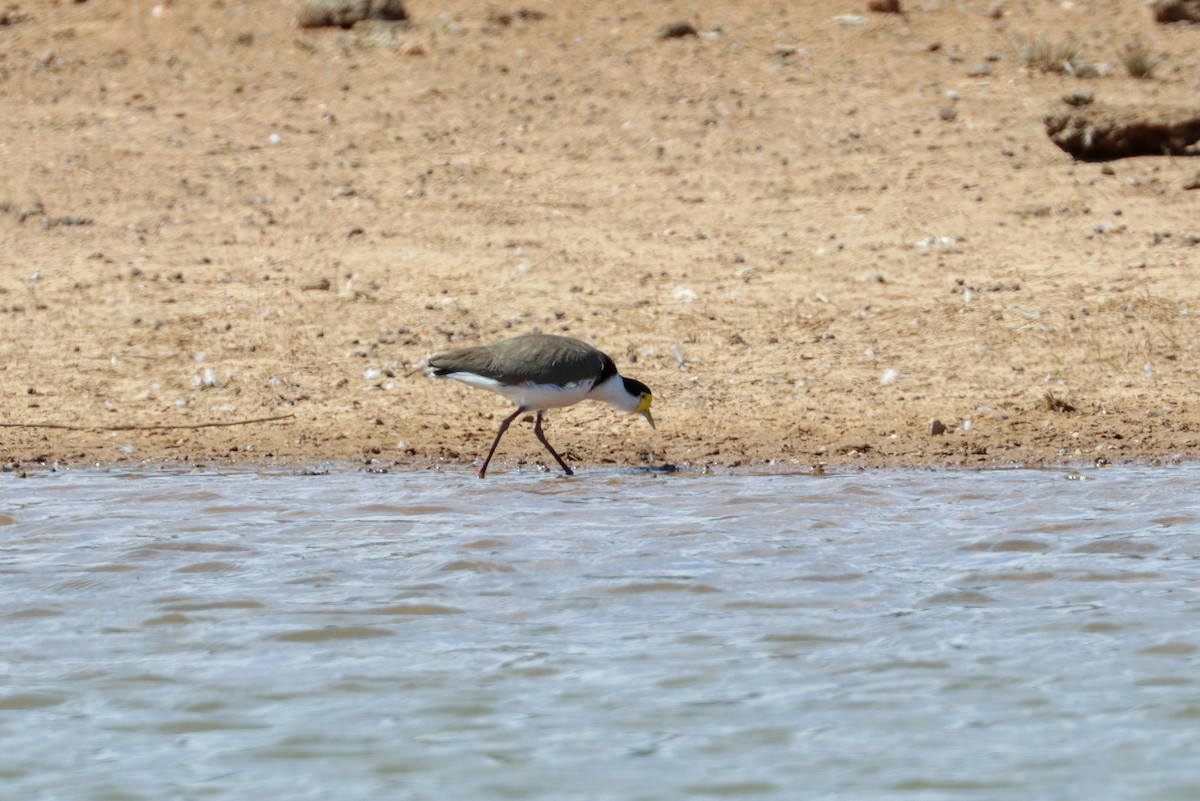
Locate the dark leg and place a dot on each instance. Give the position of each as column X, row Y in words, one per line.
column 503, row 427
column 537, row 429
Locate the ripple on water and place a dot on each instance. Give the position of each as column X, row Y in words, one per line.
column 404, row 610
column 328, row 633
column 16, row 702
column 205, row 605
column 1012, row 545
column 33, row 612
column 1119, row 545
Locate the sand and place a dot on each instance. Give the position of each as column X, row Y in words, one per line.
column 810, row 234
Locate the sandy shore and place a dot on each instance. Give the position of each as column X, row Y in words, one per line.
column 811, row 235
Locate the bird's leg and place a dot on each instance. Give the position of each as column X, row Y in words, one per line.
column 503, row 427
column 537, row 429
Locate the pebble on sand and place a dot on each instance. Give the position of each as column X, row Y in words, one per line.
column 677, row 30
column 344, row 13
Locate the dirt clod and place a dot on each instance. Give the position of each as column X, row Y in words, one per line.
column 1098, row 132
column 345, row 13
column 676, row 30
column 1176, row 10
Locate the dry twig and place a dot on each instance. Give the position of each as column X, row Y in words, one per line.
column 66, row 427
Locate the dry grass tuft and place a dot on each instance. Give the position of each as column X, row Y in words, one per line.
column 1138, row 59
column 1056, row 404
column 1057, row 57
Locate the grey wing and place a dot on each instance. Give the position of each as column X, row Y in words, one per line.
column 463, row 360
column 531, row 357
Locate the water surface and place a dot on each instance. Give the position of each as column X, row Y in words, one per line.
column 425, row 635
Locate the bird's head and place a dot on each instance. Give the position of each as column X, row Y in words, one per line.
column 641, row 396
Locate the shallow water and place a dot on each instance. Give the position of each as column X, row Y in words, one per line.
column 425, row 635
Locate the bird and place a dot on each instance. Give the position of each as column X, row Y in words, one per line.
column 539, row 372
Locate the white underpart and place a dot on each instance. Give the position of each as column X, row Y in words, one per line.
column 529, row 395
column 549, row 396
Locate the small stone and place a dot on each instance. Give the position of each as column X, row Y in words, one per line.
column 948, row 113
column 1167, row 11
column 344, row 13
column 885, row 6
column 979, row 71
column 315, row 284
column 206, row 379
column 676, row 30
column 936, row 427
column 1083, row 97
column 1194, row 183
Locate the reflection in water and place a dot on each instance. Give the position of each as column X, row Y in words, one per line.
column 614, row 636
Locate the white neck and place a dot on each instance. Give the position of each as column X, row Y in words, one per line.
column 612, row 391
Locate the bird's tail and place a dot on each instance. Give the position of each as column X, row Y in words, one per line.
column 427, row 367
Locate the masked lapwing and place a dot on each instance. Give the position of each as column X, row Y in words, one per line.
column 539, row 372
